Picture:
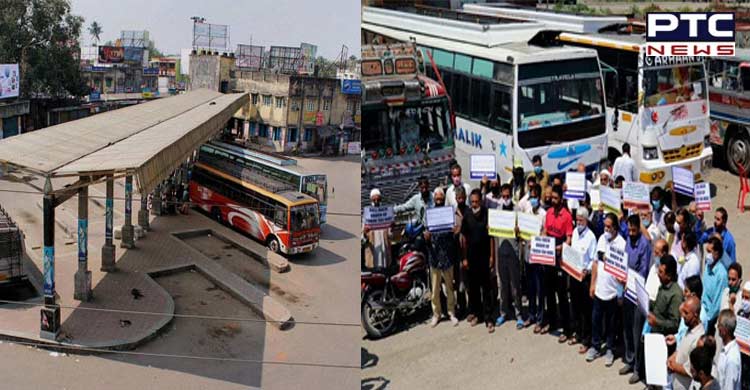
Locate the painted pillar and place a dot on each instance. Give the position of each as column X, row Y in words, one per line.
column 50, row 316
column 108, row 249
column 82, row 279
column 143, row 215
column 128, row 239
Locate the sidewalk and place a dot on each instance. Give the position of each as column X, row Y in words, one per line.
column 159, row 251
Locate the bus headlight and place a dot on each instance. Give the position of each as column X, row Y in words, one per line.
column 650, row 153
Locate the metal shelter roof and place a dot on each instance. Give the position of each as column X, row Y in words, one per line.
column 148, row 140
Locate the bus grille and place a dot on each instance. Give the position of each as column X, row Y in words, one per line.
column 682, row 153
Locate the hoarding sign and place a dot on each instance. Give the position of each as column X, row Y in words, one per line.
column 9, row 81
column 249, row 57
column 308, row 53
column 351, row 87
column 111, row 54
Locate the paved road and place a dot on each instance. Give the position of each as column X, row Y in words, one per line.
column 325, row 283
column 465, row 357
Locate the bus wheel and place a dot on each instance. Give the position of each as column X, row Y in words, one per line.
column 216, row 215
column 738, row 150
column 273, row 245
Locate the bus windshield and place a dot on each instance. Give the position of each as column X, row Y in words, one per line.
column 406, row 127
column 304, row 217
column 671, row 85
column 556, row 102
column 315, row 186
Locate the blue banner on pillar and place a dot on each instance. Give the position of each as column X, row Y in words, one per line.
column 108, row 219
column 128, row 197
column 49, row 270
column 83, row 252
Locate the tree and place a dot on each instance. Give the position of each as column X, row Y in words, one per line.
column 95, row 29
column 42, row 37
column 153, row 52
column 325, row 67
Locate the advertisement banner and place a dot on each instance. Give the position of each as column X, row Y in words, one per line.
column 9, row 81
column 351, row 87
column 249, row 57
column 111, row 54
column 307, row 60
column 310, row 117
column 133, row 55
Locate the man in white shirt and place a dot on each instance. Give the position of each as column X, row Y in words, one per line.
column 728, row 364
column 450, row 194
column 604, row 290
column 692, row 263
column 584, row 242
column 624, row 165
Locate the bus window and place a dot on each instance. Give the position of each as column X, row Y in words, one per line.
column 501, row 115
column 304, row 217
column 280, row 216
column 674, row 85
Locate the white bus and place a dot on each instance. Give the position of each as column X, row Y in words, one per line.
column 511, row 98
column 658, row 105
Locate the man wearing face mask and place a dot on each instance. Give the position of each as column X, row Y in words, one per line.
column 517, row 185
column 460, row 278
column 542, row 178
column 679, row 362
column 419, row 202
column 728, row 365
column 442, row 257
column 731, row 294
column 661, row 249
column 535, row 272
column 638, row 250
column 668, row 231
column 681, row 226
column 659, row 207
column 584, row 242
column 505, row 253
column 479, row 263
column 714, row 282
column 691, row 264
column 720, row 227
column 652, row 229
column 491, row 192
column 558, row 224
column 664, row 311
column 450, row 194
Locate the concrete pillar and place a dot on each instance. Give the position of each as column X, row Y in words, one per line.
column 143, row 214
column 246, row 130
column 128, row 232
column 108, row 249
column 156, row 200
column 82, row 279
column 50, row 318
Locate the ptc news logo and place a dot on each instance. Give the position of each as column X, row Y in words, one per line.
column 690, row 34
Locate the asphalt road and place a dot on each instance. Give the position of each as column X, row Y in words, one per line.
column 420, row 357
column 325, row 288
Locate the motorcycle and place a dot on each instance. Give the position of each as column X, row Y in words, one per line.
column 397, row 291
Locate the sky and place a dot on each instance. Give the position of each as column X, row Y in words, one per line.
column 328, row 23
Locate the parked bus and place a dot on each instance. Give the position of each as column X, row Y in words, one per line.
column 285, row 221
column 512, row 98
column 407, row 123
column 658, row 105
column 729, row 91
column 278, row 168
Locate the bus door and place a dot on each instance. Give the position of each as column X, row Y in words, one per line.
column 501, row 122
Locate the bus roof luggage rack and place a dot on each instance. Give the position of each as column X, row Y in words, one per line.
column 552, row 20
column 459, row 15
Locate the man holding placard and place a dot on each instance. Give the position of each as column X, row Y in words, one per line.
column 535, row 272
column 456, row 181
column 604, row 291
column 583, row 246
column 443, row 253
column 478, row 262
column 558, row 224
column 505, row 253
column 376, row 233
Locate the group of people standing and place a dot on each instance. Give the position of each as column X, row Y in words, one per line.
column 690, row 271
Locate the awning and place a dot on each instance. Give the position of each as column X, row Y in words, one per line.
column 148, row 140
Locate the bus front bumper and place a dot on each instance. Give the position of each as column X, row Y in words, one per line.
column 303, row 249
column 658, row 173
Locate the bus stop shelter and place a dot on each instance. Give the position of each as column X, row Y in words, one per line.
column 146, row 141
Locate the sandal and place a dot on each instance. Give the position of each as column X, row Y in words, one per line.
column 582, row 349
column 572, row 340
column 563, row 338
column 544, row 330
column 537, row 329
column 473, row 322
column 490, row 328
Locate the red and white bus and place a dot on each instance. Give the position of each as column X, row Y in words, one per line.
column 285, row 221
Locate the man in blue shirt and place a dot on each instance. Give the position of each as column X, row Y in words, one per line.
column 714, row 282
column 638, row 249
column 720, row 227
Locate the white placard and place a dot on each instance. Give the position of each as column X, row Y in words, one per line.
column 542, row 250
column 529, row 225
column 636, row 195
column 610, row 198
column 483, row 165
column 683, row 180
column 440, row 219
column 378, row 217
column 630, row 290
column 596, row 199
column 643, row 297
column 656, row 359
column 702, row 196
column 502, row 223
column 572, row 261
column 742, row 334
column 616, row 262
column 575, row 183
